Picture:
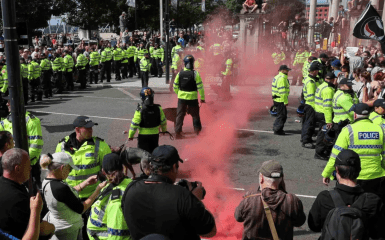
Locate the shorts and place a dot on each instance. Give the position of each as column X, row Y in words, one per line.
column 250, row 7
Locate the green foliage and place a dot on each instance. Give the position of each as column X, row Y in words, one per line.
column 234, row 6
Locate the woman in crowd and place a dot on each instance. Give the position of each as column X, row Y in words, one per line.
column 362, row 78
column 64, row 205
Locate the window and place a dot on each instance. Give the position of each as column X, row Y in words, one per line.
column 325, row 15
column 316, row 15
column 320, row 10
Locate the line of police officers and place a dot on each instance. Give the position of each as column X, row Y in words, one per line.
column 343, row 122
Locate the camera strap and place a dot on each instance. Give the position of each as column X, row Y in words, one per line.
column 159, row 178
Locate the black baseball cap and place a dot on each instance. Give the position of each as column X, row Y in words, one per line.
column 361, row 108
column 323, row 55
column 83, row 121
column 165, row 155
column 348, row 157
column 346, row 81
column 112, row 162
column 315, row 66
column 379, row 103
column 284, row 67
column 271, row 169
column 330, row 75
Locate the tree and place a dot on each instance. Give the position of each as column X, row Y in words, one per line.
column 234, row 6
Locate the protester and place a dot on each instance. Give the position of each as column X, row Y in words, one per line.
column 65, row 207
column 348, row 167
column 174, row 211
column 20, row 214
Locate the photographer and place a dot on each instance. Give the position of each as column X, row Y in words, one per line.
column 156, row 205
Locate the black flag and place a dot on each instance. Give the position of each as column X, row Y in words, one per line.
column 370, row 26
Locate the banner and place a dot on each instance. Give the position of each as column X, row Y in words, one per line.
column 203, row 5
column 370, row 26
column 131, row 3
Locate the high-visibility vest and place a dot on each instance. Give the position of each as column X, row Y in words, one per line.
column 309, row 88
column 342, row 104
column 106, row 219
column 216, row 49
column 131, row 51
column 187, row 94
column 109, row 53
column 94, row 58
column 34, row 134
column 377, row 118
column 145, row 65
column 68, row 62
column 153, row 124
column 367, row 140
column 324, row 101
column 141, row 52
column 57, row 64
column 45, row 64
column 281, row 88
column 300, row 58
column 229, row 64
column 117, row 54
column 88, row 158
column 278, row 57
column 175, row 62
column 81, row 62
column 124, row 56
column 34, row 70
column 24, row 70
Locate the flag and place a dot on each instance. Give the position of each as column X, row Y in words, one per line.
column 370, row 26
column 131, row 3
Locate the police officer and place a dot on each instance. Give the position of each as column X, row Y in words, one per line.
column 4, row 76
column 24, row 79
column 57, row 68
column 131, row 59
column 81, row 62
column 145, row 68
column 45, row 65
column 107, row 62
column 87, row 153
column 175, row 49
column 227, row 75
column 35, row 139
column 367, row 140
column 106, row 220
column 141, row 51
column 34, row 73
column 300, row 58
column 280, row 93
column 124, row 63
column 379, row 110
column 343, row 100
column 94, row 65
column 324, row 113
column 117, row 56
column 278, row 56
column 311, row 83
column 148, row 117
column 175, row 67
column 69, row 65
column 187, row 85
column 159, row 57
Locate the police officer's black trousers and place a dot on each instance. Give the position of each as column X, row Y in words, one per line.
column 94, row 74
column 35, row 89
column 319, row 120
column 82, row 78
column 138, row 66
column 148, row 142
column 321, row 148
column 46, row 81
column 117, row 70
column 308, row 124
column 191, row 107
column 70, row 81
column 131, row 67
column 124, row 68
column 159, row 67
column 106, row 70
column 280, row 121
column 154, row 68
column 144, row 76
column 57, row 76
column 173, row 76
column 25, row 89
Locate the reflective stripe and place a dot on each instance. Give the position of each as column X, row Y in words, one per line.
column 336, row 100
column 365, row 146
column 338, row 147
column 351, row 134
column 333, row 155
column 89, row 166
column 97, row 233
column 2, row 124
column 36, row 146
column 369, row 155
column 97, row 223
column 80, row 177
column 35, row 137
column 135, row 124
column 118, row 232
column 340, row 113
column 375, row 117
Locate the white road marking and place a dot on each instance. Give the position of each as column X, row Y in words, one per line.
column 71, row 114
column 251, row 130
column 129, row 94
column 77, row 95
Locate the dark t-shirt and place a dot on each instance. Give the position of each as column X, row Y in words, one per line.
column 165, row 209
column 1, row 167
column 14, row 210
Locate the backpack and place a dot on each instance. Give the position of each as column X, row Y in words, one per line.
column 343, row 222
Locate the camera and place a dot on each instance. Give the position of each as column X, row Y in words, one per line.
column 183, row 183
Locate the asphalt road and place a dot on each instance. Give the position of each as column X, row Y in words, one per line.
column 113, row 107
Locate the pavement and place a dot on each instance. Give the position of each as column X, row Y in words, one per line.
column 236, row 138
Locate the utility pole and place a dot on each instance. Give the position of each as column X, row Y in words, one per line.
column 136, row 15
column 161, row 17
column 167, row 20
column 14, row 80
column 310, row 37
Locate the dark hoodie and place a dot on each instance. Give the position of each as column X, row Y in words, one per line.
column 286, row 209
